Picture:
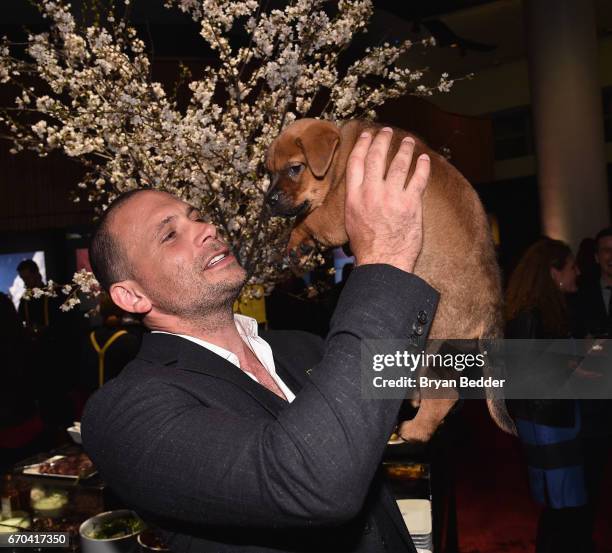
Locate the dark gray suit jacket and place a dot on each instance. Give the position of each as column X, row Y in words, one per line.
column 588, row 310
column 221, row 464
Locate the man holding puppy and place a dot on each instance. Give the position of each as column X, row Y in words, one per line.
column 226, row 441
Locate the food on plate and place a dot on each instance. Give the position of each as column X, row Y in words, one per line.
column 11, row 525
column 72, row 465
column 46, row 524
column 412, row 471
column 116, row 528
column 36, row 493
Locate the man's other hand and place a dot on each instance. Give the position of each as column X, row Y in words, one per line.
column 384, row 216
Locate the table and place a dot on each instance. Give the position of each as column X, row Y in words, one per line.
column 408, row 472
column 84, row 498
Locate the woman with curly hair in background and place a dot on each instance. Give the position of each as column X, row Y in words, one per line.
column 551, row 429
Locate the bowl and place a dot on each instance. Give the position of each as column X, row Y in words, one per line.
column 51, row 504
column 121, row 544
column 148, row 540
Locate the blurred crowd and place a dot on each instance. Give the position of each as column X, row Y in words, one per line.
column 553, row 295
column 53, row 360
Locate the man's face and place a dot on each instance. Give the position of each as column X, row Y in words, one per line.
column 604, row 256
column 175, row 257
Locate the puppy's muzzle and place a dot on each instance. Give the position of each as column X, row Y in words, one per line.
column 281, row 204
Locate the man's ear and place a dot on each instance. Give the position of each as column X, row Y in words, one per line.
column 597, row 258
column 128, row 296
column 318, row 144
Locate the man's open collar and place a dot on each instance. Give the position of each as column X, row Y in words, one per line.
column 170, row 349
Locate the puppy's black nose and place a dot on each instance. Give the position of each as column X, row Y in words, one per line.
column 273, row 198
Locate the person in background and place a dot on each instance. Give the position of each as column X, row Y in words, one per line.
column 593, row 308
column 593, row 303
column 585, row 259
column 54, row 348
column 536, row 305
column 550, row 430
column 110, row 347
column 22, row 431
column 36, row 313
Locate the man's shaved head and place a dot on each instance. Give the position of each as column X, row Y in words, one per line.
column 107, row 256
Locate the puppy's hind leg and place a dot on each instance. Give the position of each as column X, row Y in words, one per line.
column 428, row 418
column 435, row 404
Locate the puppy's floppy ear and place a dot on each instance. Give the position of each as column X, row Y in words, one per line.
column 318, row 144
column 270, row 165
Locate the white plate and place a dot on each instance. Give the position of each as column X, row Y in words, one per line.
column 34, row 470
column 416, row 514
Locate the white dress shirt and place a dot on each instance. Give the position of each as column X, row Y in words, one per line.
column 247, row 328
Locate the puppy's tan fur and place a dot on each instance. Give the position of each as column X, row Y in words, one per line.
column 458, row 256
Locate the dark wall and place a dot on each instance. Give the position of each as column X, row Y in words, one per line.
column 36, row 212
column 35, row 192
column 516, row 204
column 468, row 139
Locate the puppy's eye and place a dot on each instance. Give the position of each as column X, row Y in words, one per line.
column 294, row 171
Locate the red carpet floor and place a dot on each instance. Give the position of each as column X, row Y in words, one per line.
column 494, row 509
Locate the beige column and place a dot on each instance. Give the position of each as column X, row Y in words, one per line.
column 568, row 118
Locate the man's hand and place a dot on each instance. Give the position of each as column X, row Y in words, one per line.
column 384, row 216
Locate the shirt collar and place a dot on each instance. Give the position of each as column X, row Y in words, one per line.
column 246, row 326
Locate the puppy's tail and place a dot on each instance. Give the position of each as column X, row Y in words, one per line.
column 499, row 412
column 489, row 342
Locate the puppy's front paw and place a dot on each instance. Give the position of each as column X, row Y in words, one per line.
column 306, row 247
column 300, row 248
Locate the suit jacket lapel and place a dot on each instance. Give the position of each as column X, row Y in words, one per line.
column 293, row 379
column 601, row 304
column 288, row 364
column 389, row 504
column 188, row 356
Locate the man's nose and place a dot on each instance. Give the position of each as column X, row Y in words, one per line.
column 205, row 232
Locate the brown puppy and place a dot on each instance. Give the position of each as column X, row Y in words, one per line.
column 308, row 163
